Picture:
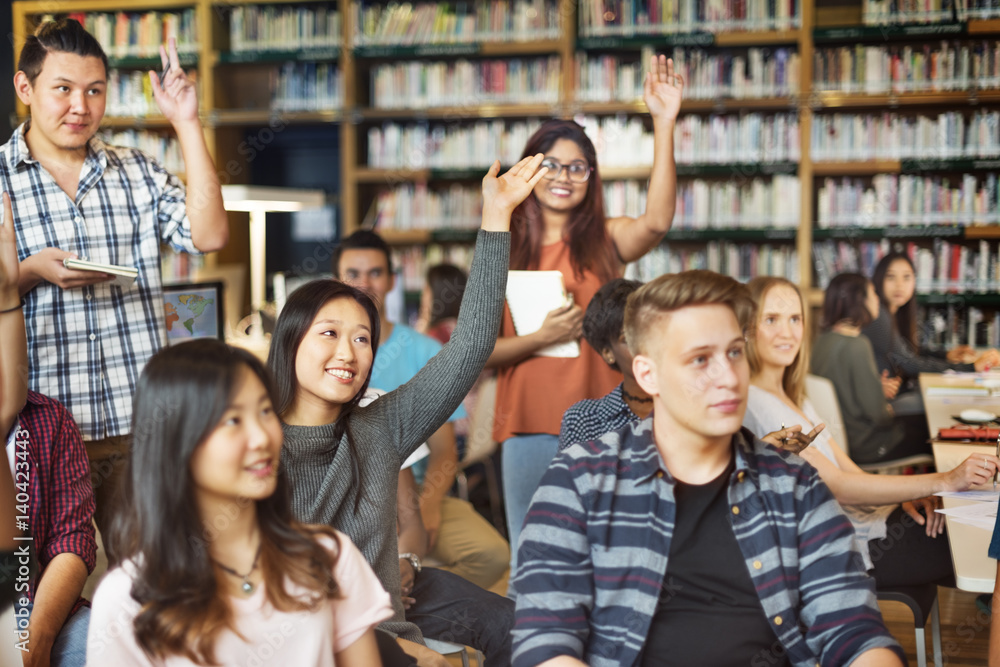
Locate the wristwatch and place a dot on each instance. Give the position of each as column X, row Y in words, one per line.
column 413, row 558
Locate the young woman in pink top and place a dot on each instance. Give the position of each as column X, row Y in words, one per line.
column 214, row 569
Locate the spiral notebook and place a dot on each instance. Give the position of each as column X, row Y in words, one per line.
column 530, row 296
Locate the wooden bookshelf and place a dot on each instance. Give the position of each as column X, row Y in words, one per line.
column 235, row 101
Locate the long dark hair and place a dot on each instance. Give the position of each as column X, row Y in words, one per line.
column 296, row 317
column 905, row 319
column 586, row 233
column 844, row 300
column 182, row 394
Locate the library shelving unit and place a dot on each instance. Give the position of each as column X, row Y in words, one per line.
column 821, row 109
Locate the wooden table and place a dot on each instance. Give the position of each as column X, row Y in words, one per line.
column 974, row 569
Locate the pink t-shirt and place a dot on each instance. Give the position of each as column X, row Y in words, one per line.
column 273, row 637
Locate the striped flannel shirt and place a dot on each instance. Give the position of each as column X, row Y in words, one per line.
column 591, row 418
column 49, row 463
column 87, row 346
column 593, row 555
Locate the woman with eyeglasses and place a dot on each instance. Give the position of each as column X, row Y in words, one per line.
column 562, row 227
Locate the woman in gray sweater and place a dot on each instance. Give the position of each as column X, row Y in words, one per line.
column 342, row 460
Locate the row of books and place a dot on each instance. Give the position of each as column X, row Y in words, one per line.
column 940, row 266
column 307, row 86
column 417, row 206
column 945, row 327
column 889, row 12
column 751, row 138
column 161, row 147
column 945, row 65
column 448, row 145
column 659, row 17
column 906, row 200
column 620, row 141
column 402, row 23
column 140, row 34
column 752, row 204
column 466, row 83
column 278, row 27
column 755, row 72
column 130, row 94
column 412, row 262
column 894, row 136
column 742, row 261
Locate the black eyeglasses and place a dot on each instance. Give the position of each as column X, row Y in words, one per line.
column 578, row 170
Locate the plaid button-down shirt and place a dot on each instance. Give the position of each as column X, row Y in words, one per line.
column 87, row 346
column 50, row 465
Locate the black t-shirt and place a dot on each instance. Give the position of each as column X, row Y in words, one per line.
column 709, row 612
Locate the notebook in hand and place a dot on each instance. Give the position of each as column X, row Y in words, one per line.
column 123, row 275
column 531, row 295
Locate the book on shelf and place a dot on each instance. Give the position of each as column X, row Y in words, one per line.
column 424, row 23
column 625, row 18
column 898, row 136
column 284, row 28
column 466, row 83
column 413, row 261
column 140, row 34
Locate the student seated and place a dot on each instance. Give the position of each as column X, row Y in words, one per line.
column 215, row 568
column 897, row 541
column 683, row 539
column 343, row 460
column 843, row 356
column 628, row 403
column 461, row 540
column 893, row 335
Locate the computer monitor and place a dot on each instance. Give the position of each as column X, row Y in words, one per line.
column 194, row 310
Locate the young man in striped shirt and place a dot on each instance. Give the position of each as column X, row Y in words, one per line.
column 683, row 539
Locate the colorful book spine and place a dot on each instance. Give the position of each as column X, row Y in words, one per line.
column 448, row 145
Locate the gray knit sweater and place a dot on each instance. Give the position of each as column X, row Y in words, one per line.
column 389, row 429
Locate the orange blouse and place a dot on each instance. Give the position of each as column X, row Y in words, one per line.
column 533, row 394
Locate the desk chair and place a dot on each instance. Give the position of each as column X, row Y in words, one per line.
column 923, row 602
column 823, row 396
column 448, row 648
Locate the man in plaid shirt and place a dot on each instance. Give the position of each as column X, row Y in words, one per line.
column 74, row 196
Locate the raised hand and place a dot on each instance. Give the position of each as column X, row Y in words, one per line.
column 178, row 97
column 502, row 194
column 662, row 89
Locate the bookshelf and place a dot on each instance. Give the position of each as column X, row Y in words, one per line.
column 829, row 104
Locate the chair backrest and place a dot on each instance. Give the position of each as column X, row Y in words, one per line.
column 823, row 396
